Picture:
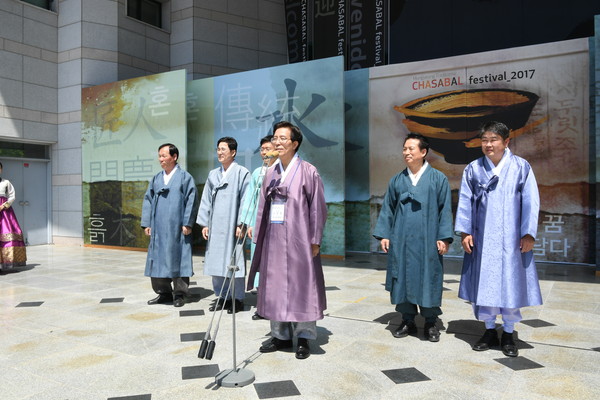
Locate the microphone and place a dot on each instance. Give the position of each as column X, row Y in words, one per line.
column 271, row 154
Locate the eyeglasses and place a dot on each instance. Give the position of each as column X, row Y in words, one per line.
column 280, row 139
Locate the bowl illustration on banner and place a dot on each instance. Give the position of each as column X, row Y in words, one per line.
column 451, row 120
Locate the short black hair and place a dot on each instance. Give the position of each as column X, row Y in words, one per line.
column 231, row 142
column 495, row 127
column 295, row 134
column 266, row 139
column 173, row 150
column 423, row 141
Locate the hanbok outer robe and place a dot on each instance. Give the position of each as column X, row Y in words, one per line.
column 414, row 218
column 12, row 244
column 250, row 202
column 498, row 211
column 219, row 207
column 292, row 286
column 165, row 210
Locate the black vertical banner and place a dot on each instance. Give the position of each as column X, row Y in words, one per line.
column 328, row 28
column 356, row 29
column 297, row 30
column 367, row 27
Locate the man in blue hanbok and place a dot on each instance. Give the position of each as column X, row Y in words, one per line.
column 497, row 218
column 168, row 214
column 415, row 228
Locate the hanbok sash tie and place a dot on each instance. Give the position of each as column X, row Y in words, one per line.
column 409, row 196
column 478, row 211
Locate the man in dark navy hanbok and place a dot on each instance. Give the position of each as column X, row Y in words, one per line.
column 415, row 228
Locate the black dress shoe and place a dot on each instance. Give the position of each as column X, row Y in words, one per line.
column 432, row 333
column 257, row 316
column 239, row 306
column 162, row 298
column 275, row 344
column 406, row 328
column 509, row 348
column 179, row 301
column 217, row 305
column 487, row 341
column 303, row 350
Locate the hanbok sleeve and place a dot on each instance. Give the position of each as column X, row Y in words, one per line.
column 385, row 221
column 445, row 211
column 248, row 210
column 192, row 202
column 530, row 206
column 317, row 209
column 464, row 223
column 10, row 191
column 146, row 220
column 205, row 209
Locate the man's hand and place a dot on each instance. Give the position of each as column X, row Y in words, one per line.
column 148, row 231
column 315, row 249
column 527, row 243
column 467, row 242
column 205, row 233
column 250, row 232
column 186, row 230
column 385, row 245
column 442, row 247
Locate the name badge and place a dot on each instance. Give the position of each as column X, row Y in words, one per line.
column 277, row 213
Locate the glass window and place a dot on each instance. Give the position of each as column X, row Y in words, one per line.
column 40, row 3
column 148, row 11
column 24, row 150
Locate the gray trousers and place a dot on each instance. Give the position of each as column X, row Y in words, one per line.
column 287, row 330
column 163, row 285
column 240, row 287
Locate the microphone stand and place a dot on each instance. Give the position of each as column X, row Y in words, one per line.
column 234, row 377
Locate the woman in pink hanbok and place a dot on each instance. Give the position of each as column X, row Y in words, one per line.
column 12, row 245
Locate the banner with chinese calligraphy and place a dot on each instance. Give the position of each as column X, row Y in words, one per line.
column 540, row 92
column 123, row 123
column 246, row 105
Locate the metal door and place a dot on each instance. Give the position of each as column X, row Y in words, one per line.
column 30, row 180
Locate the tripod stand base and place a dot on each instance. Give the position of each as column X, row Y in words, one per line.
column 234, row 378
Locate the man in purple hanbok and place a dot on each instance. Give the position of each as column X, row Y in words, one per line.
column 289, row 227
column 497, row 219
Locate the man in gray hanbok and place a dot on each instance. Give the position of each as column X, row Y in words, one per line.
column 168, row 214
column 288, row 231
column 497, row 218
column 218, row 216
column 415, row 228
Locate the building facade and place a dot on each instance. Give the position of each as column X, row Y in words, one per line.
column 50, row 50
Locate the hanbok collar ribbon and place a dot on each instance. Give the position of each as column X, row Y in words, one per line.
column 279, row 191
column 408, row 196
column 479, row 209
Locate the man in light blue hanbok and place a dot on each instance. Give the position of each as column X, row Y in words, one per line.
column 218, row 216
column 168, row 214
column 497, row 218
column 250, row 205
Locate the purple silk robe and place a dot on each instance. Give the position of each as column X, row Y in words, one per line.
column 498, row 211
column 291, row 282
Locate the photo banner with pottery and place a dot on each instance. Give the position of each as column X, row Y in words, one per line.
column 540, row 92
column 123, row 124
column 246, row 105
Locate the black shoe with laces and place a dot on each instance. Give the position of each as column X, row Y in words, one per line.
column 487, row 341
column 508, row 345
column 275, row 344
column 407, row 327
column 432, row 333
